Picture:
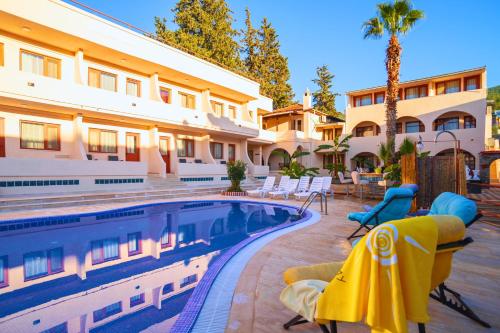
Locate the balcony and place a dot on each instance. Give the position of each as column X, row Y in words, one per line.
column 83, row 99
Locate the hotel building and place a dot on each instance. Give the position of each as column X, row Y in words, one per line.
column 454, row 102
column 88, row 104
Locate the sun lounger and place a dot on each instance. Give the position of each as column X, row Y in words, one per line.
column 316, row 186
column 261, row 191
column 289, row 189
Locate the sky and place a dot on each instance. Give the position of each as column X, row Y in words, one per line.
column 454, row 35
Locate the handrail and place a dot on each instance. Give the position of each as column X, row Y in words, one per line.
column 310, row 200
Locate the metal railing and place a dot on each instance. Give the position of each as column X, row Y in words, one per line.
column 310, row 200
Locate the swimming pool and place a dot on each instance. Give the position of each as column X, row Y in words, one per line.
column 123, row 270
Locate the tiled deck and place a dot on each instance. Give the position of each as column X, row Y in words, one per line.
column 256, row 306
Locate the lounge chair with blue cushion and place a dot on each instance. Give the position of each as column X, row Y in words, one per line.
column 413, row 187
column 395, row 206
column 448, row 203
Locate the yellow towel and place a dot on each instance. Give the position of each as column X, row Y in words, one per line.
column 386, row 278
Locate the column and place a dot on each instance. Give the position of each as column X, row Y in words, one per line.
column 79, row 152
column 154, row 87
column 80, row 77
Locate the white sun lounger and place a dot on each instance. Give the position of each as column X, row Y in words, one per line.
column 316, row 186
column 289, row 189
column 282, row 184
column 261, row 191
column 303, row 184
column 327, row 186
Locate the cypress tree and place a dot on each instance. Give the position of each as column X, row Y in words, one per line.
column 250, row 46
column 204, row 29
column 324, row 98
column 272, row 67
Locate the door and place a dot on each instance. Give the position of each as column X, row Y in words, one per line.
column 231, row 152
column 132, row 148
column 165, row 152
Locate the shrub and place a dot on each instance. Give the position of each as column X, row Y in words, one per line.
column 236, row 173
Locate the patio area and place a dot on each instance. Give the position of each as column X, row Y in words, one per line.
column 256, row 306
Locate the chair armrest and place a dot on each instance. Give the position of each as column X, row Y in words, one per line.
column 324, row 272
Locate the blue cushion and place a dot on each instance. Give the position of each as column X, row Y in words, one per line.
column 395, row 210
column 448, row 203
column 412, row 187
column 356, row 216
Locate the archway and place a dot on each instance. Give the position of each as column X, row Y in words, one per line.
column 469, row 159
column 366, row 160
column 299, row 159
column 454, row 120
column 409, row 125
column 278, row 159
column 366, row 128
column 488, row 161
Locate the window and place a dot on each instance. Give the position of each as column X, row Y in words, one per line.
column 165, row 234
column 40, row 64
column 231, row 152
column 469, row 122
column 446, row 124
column 327, row 160
column 447, row 87
column 338, row 132
column 327, row 134
column 413, row 127
column 136, row 300
column 105, row 250
column 103, row 141
column 217, row 108
column 363, row 100
column 185, row 148
column 187, row 101
column 186, row 233
column 165, row 95
column 61, row 328
column 365, row 131
column 379, row 97
column 297, row 124
column 416, row 92
column 42, row 263
column 107, row 311
column 1, row 55
column 472, row 82
column 217, row 150
column 133, row 87
column 40, row 136
column 4, row 272
column 134, row 243
column 168, row 288
column 102, row 80
column 232, row 112
column 189, row 280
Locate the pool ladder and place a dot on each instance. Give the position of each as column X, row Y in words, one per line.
column 310, row 200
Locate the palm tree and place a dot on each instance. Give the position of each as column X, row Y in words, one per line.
column 396, row 18
column 338, row 147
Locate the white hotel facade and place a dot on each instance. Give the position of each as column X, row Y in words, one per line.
column 85, row 103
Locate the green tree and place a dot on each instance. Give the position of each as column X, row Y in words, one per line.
column 395, row 18
column 324, row 98
column 204, row 29
column 338, row 147
column 272, row 67
column 250, row 47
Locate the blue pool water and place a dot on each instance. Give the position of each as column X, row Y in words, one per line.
column 118, row 271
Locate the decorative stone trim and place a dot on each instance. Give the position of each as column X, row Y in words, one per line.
column 234, row 194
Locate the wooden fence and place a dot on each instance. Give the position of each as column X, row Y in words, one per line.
column 433, row 175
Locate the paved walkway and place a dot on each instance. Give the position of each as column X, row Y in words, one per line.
column 256, row 306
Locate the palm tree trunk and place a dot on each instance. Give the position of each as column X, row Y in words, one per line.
column 392, row 64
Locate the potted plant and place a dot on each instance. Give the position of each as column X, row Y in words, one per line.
column 235, row 173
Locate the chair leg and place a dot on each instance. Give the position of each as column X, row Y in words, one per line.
column 456, row 303
column 333, row 326
column 355, row 235
column 324, row 329
column 421, row 328
column 297, row 320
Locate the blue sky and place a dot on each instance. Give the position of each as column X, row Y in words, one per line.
column 455, row 35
